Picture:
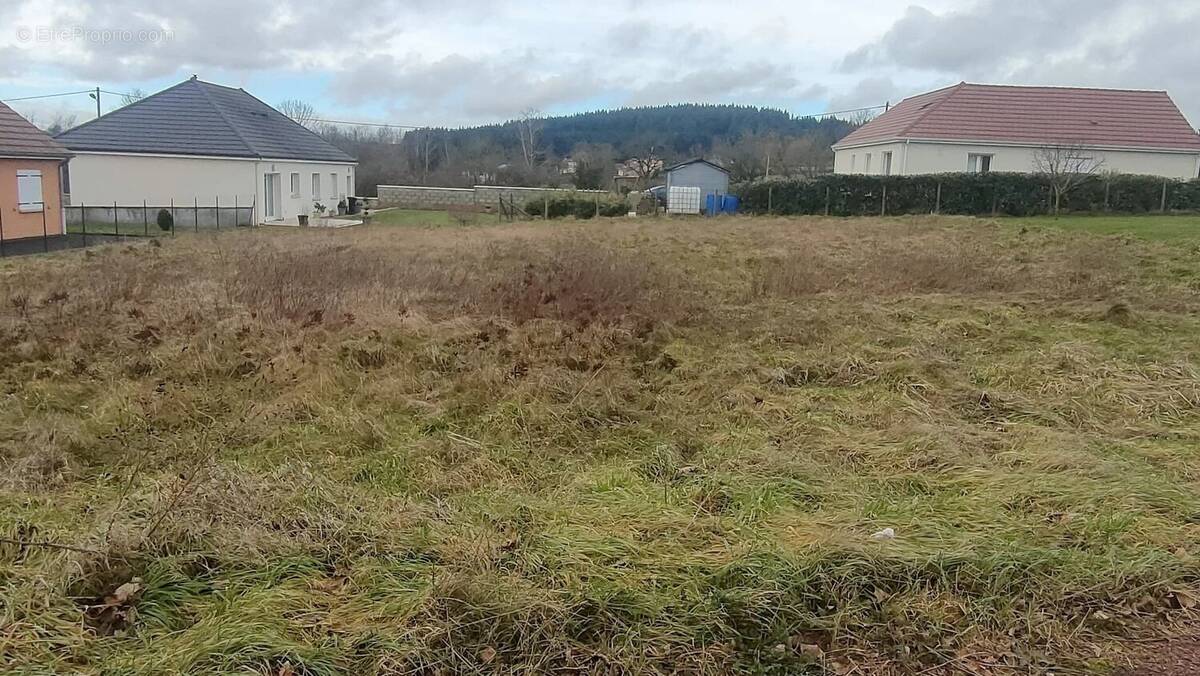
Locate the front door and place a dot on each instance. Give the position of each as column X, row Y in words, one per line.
column 271, row 196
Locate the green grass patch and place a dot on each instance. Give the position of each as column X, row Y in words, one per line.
column 627, row 447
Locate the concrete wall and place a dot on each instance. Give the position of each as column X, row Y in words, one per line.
column 479, row 197
column 16, row 224
column 937, row 158
column 102, row 179
column 710, row 180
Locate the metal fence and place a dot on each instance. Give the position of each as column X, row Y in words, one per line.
column 89, row 225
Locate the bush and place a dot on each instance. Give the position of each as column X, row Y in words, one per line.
column 166, row 221
column 969, row 194
column 579, row 206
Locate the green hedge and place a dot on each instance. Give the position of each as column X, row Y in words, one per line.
column 976, row 194
column 579, row 206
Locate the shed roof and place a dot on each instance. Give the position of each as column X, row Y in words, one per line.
column 696, row 160
column 201, row 118
column 1038, row 115
column 19, row 138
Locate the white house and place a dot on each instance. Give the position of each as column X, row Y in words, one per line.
column 980, row 128
column 202, row 143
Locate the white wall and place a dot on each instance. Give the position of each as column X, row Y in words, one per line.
column 935, row 158
column 290, row 205
column 99, row 179
column 129, row 179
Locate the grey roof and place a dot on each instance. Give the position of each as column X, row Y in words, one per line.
column 696, row 160
column 19, row 138
column 201, row 118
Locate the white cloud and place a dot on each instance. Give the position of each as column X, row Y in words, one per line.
column 457, row 62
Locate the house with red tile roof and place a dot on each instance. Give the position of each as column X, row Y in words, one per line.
column 981, row 128
column 31, row 195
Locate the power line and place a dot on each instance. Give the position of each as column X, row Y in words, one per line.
column 370, row 124
column 49, row 96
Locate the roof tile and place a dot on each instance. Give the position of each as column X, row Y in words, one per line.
column 1016, row 114
column 19, row 138
column 201, row 118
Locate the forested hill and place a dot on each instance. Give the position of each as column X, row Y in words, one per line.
column 675, row 129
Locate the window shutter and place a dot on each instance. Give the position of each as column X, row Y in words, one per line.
column 29, row 190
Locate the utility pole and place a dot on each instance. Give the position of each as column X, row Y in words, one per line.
column 96, row 95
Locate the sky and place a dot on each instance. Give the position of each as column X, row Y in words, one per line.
column 458, row 62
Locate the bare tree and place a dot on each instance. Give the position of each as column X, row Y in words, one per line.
column 1065, row 166
column 133, row 96
column 60, row 123
column 529, row 128
column 302, row 112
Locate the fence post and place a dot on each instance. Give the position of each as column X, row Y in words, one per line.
column 83, row 221
column 826, row 200
column 1, row 232
column 545, row 207
column 1163, row 203
column 597, row 197
column 254, row 211
column 116, row 227
column 172, row 216
column 145, row 220
column 883, row 202
column 196, row 213
column 236, row 215
column 1107, row 188
column 937, row 204
column 770, row 199
column 45, row 234
column 218, row 210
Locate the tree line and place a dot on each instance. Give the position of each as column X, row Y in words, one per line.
column 533, row 150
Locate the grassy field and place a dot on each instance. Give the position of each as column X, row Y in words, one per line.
column 424, row 217
column 1154, row 227
column 619, row 447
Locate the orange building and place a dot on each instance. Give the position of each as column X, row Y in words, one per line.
column 31, row 172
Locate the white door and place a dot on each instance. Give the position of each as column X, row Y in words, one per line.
column 271, row 195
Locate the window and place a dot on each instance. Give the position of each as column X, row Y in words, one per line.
column 853, row 163
column 316, row 187
column 887, row 164
column 333, row 186
column 349, row 186
column 295, row 184
column 29, row 190
column 867, row 164
column 64, row 178
column 979, row 164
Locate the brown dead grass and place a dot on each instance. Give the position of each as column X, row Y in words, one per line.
column 652, row 447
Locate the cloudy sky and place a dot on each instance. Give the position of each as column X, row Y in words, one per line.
column 457, row 62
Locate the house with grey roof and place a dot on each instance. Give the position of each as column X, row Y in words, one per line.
column 203, row 143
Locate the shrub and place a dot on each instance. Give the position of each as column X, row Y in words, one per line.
column 165, row 220
column 967, row 194
column 579, row 206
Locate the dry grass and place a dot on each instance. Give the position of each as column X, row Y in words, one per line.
column 608, row 448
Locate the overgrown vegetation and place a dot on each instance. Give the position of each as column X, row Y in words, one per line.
column 970, row 194
column 581, row 206
column 634, row 449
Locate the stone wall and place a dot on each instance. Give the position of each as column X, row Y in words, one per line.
column 483, row 197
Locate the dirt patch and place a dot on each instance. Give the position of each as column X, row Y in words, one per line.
column 1173, row 657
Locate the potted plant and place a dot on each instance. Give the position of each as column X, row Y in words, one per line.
column 341, row 207
column 319, row 210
